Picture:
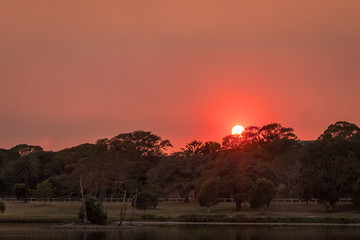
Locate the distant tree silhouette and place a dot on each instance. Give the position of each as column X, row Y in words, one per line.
column 341, row 129
column 193, row 147
column 24, row 149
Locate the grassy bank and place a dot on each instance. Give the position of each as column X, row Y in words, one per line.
column 177, row 211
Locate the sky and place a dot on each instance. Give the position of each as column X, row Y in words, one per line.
column 72, row 72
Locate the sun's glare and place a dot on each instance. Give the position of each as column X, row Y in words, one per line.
column 237, row 129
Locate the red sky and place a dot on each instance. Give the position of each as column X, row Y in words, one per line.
column 76, row 71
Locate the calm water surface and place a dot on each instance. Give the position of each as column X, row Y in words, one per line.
column 45, row 231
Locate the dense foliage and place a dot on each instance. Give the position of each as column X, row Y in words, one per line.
column 139, row 162
column 2, row 207
column 261, row 193
column 95, row 212
column 145, row 200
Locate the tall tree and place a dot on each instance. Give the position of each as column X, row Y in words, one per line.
column 253, row 137
column 330, row 165
column 231, row 170
column 141, row 143
column 27, row 168
column 343, row 130
column 274, row 131
column 236, row 172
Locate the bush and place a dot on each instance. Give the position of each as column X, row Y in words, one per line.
column 356, row 193
column 94, row 211
column 241, row 218
column 2, row 207
column 204, row 218
column 193, row 217
column 19, row 190
column 43, row 190
column 209, row 193
column 162, row 218
column 148, row 217
column 153, row 217
column 261, row 193
column 145, row 200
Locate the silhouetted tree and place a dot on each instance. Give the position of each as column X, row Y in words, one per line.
column 342, row 130
column 140, row 143
column 210, row 148
column 193, row 147
column 24, row 149
column 274, row 131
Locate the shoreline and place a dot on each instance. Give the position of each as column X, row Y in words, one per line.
column 71, row 224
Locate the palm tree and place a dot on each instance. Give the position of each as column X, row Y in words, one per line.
column 27, row 169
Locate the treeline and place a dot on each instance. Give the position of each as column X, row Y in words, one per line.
column 255, row 166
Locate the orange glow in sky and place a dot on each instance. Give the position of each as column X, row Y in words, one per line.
column 72, row 73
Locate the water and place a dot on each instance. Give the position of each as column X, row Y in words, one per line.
column 46, row 232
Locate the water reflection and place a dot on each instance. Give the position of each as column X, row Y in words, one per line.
column 46, row 231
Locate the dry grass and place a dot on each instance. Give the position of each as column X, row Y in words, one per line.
column 68, row 210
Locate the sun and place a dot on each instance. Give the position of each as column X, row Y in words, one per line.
column 238, row 129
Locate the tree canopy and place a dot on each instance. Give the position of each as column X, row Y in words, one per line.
column 129, row 163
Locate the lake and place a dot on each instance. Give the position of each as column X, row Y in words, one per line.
column 180, row 232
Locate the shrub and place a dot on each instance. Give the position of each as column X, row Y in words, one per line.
column 209, row 193
column 261, row 193
column 148, row 217
column 356, row 193
column 204, row 218
column 43, row 190
column 162, row 218
column 20, row 190
column 2, row 207
column 193, row 217
column 145, row 200
column 94, row 211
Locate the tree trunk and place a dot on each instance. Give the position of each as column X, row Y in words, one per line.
column 101, row 198
column 83, row 199
column 123, row 210
column 134, row 205
column 238, row 205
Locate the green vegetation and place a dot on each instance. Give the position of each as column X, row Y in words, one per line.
column 209, row 192
column 19, row 190
column 356, row 195
column 172, row 211
column 261, row 194
column 145, row 200
column 43, row 190
column 94, row 211
column 135, row 167
column 2, row 207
